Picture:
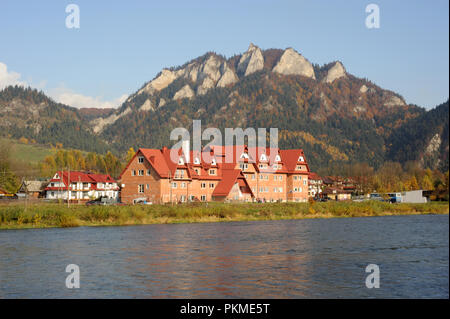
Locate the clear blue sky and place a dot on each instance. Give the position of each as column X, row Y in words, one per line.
column 121, row 45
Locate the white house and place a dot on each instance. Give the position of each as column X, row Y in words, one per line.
column 81, row 186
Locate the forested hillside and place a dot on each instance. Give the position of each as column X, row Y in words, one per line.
column 334, row 116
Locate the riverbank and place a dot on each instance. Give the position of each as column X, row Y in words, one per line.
column 17, row 216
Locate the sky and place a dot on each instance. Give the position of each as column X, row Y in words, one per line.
column 120, row 45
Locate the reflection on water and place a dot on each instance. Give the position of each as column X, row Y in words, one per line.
column 266, row 259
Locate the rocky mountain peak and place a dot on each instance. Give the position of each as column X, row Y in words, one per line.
column 335, row 72
column 293, row 63
column 251, row 61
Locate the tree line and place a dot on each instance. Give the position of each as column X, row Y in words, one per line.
column 392, row 177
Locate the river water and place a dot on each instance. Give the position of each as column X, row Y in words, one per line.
column 317, row 258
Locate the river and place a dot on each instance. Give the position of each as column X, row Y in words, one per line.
column 315, row 258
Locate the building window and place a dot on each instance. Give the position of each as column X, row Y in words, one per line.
column 203, row 198
column 212, row 172
column 203, row 185
column 300, row 189
column 141, row 159
column 141, row 188
column 298, row 167
column 197, row 171
column 174, row 185
column 179, row 173
column 211, row 185
column 280, row 189
column 261, row 189
column 301, row 159
column 148, row 172
column 253, row 176
column 133, row 173
column 261, row 177
column 275, row 190
column 147, row 186
column 266, row 189
column 243, row 166
column 141, row 172
column 183, row 185
column 304, row 182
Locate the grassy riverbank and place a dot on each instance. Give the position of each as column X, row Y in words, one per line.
column 14, row 216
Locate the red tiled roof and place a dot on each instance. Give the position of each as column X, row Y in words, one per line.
column 230, row 177
column 314, row 176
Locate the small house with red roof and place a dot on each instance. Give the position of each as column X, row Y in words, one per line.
column 81, row 186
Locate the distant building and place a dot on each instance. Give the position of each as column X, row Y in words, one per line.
column 337, row 194
column 315, row 184
column 34, row 189
column 81, row 186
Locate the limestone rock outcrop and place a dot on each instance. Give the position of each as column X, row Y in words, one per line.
column 292, row 62
column 335, row 72
column 99, row 124
column 394, row 101
column 251, row 61
column 147, row 106
column 160, row 82
column 184, row 92
column 228, row 76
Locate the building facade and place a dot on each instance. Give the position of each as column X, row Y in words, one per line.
column 315, row 185
column 81, row 186
column 218, row 173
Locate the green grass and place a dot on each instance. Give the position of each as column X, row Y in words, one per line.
column 31, row 153
column 28, row 153
column 53, row 215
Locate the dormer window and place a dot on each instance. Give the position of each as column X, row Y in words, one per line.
column 213, row 162
column 141, row 159
column 277, row 158
column 212, row 172
column 298, row 167
column 244, row 155
column 301, row 159
column 263, row 157
column 243, row 166
column 196, row 160
column 180, row 161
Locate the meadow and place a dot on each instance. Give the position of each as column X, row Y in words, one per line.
column 41, row 215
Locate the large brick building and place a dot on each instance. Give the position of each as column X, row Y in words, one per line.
column 218, row 173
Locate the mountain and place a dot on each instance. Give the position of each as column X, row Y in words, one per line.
column 28, row 113
column 424, row 138
column 333, row 115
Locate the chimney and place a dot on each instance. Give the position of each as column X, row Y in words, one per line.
column 185, row 146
